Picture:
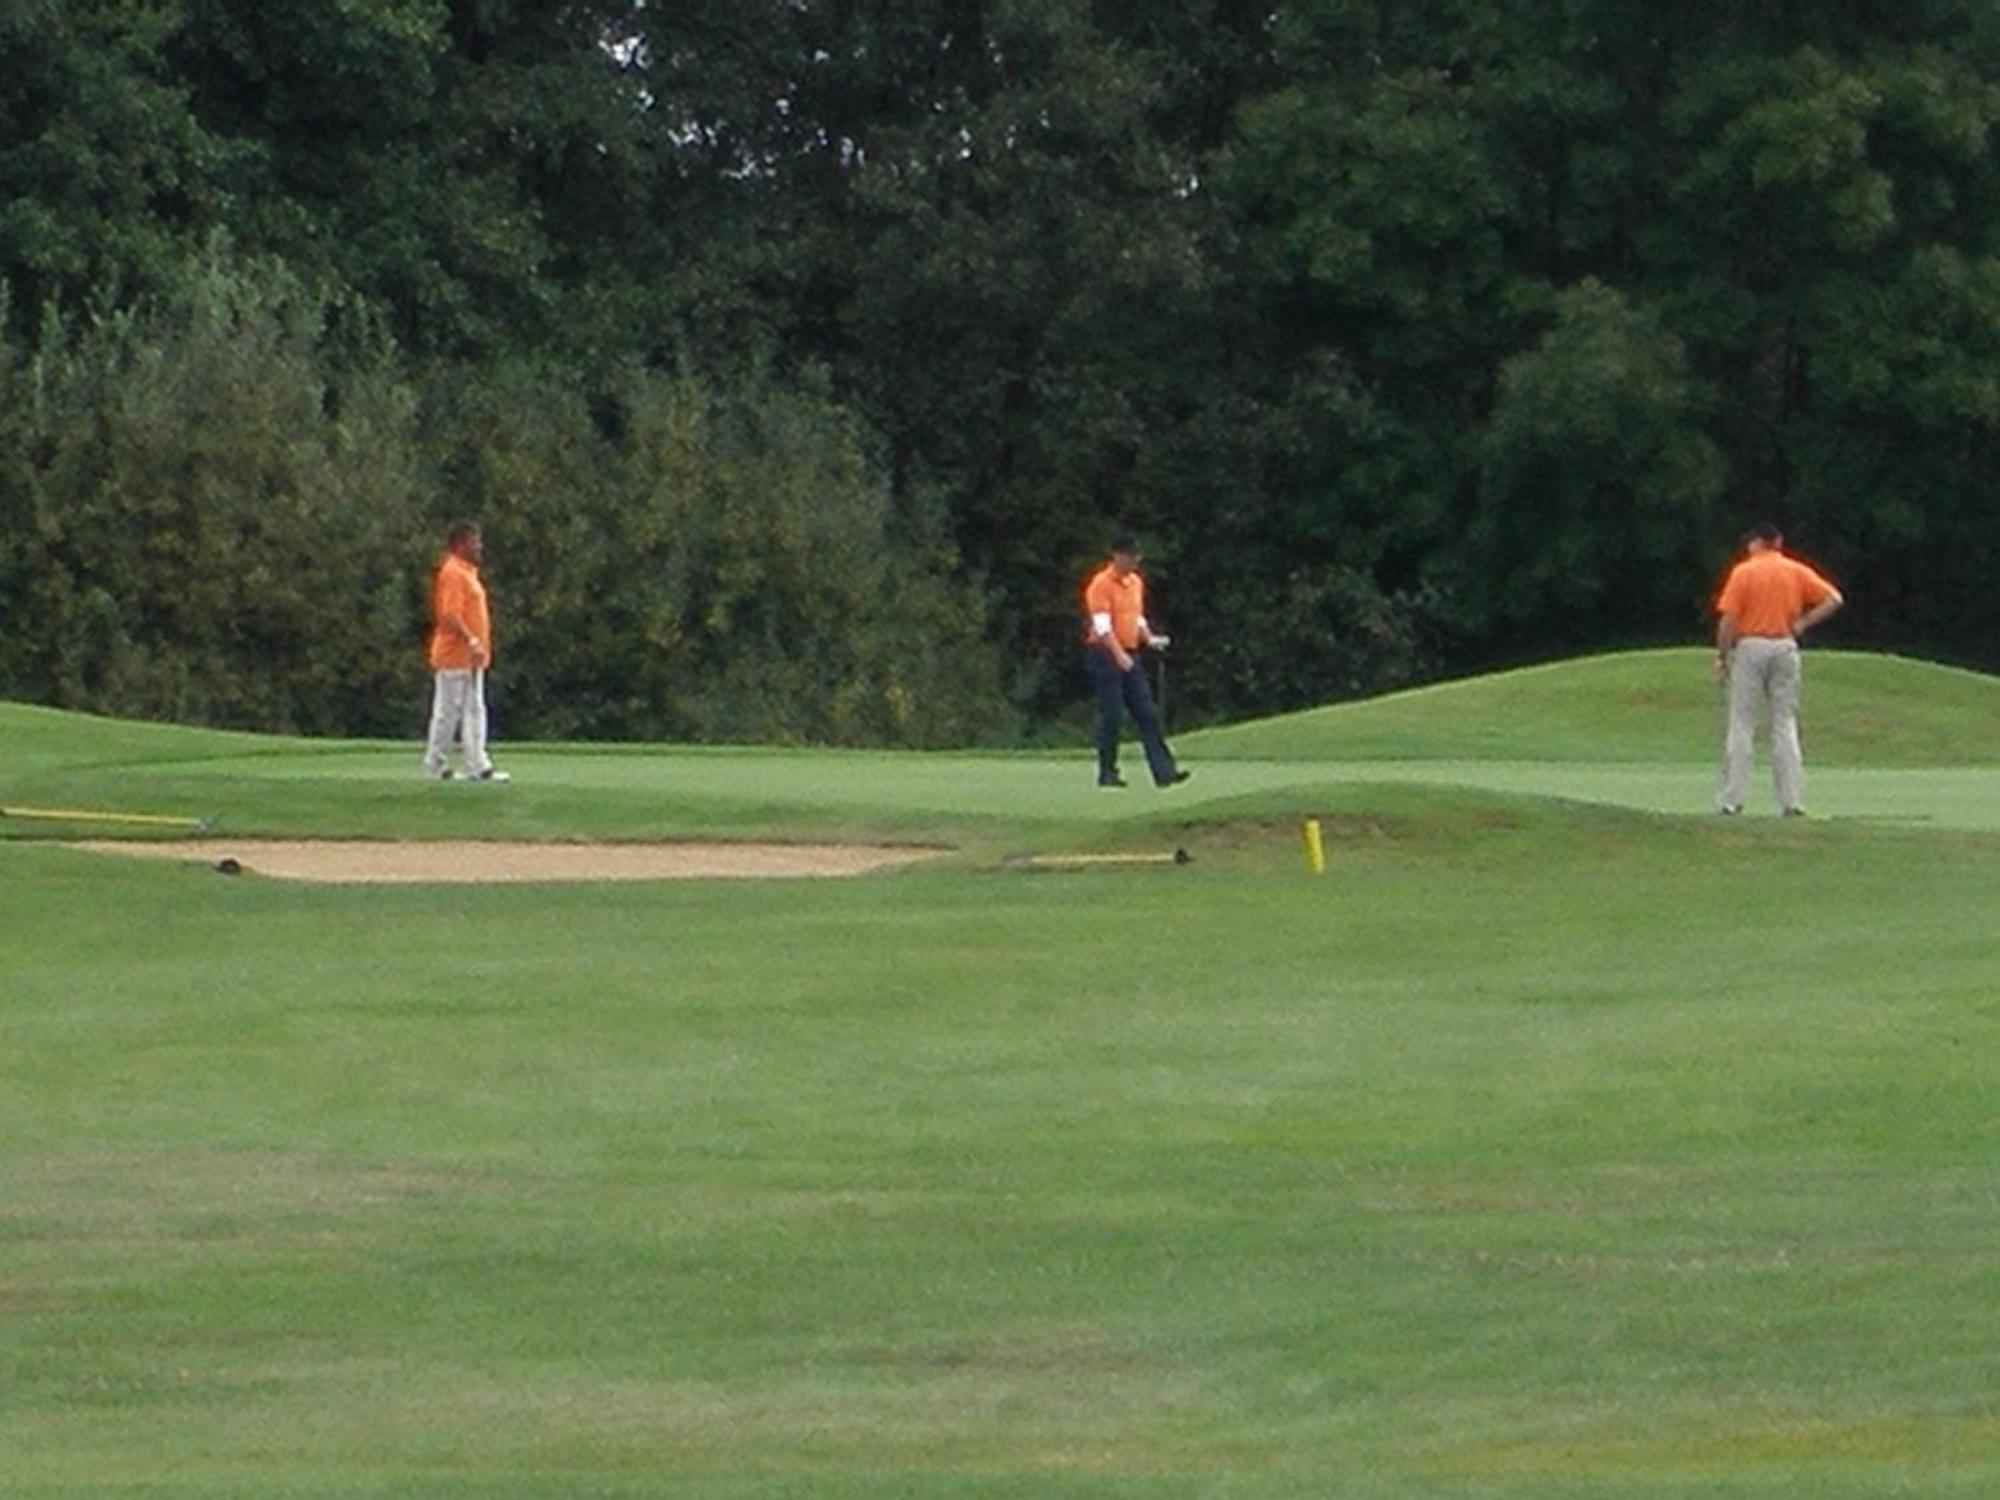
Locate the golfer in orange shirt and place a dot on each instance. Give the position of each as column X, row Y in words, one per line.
column 1768, row 601
column 1114, row 632
column 461, row 649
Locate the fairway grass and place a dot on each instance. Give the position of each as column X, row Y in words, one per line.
column 1539, row 1148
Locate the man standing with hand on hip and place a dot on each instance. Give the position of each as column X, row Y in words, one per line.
column 1768, row 601
column 1115, row 630
column 461, row 649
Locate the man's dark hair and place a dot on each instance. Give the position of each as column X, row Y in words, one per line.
column 1766, row 532
column 458, row 531
column 1125, row 542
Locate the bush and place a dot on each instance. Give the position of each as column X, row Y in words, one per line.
column 204, row 518
column 223, row 507
column 677, row 561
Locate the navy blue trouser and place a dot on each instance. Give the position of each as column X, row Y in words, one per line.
column 1128, row 691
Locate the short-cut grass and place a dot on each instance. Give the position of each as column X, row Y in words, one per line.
column 1551, row 1144
column 1861, row 710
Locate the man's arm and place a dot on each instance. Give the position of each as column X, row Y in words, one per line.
column 451, row 604
column 1102, row 638
column 1725, row 642
column 1820, row 611
column 1097, row 603
column 455, row 623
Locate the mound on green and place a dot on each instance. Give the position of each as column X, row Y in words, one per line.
column 36, row 740
column 1860, row 709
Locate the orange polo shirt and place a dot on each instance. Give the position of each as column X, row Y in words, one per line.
column 457, row 593
column 1767, row 592
column 1123, row 599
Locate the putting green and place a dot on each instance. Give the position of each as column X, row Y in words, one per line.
column 1060, row 789
column 1887, row 740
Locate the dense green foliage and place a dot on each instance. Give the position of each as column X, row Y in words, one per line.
column 217, row 514
column 1410, row 337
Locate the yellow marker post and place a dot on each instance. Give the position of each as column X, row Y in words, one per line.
column 1315, row 849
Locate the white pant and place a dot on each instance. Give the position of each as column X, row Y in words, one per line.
column 1764, row 669
column 458, row 709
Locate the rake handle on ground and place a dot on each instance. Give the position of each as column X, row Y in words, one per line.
column 77, row 815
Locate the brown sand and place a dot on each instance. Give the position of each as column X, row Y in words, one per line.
column 347, row 862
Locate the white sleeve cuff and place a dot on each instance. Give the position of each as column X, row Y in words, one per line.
column 1100, row 623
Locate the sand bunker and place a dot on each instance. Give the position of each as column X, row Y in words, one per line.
column 471, row 863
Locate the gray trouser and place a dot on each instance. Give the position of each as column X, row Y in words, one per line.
column 1762, row 669
column 458, row 709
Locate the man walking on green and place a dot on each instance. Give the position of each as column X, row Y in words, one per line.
column 1115, row 629
column 1768, row 601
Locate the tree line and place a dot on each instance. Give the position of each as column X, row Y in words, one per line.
column 800, row 355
